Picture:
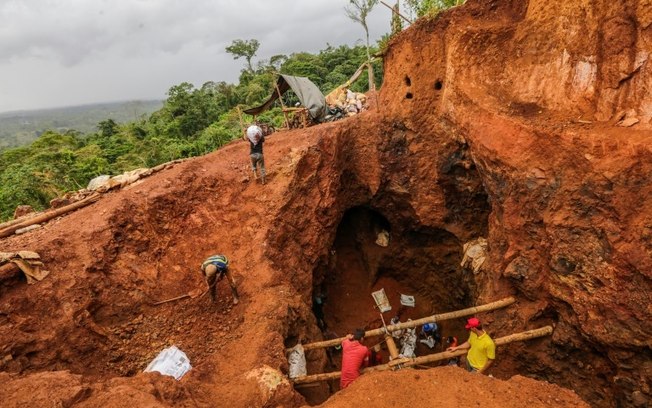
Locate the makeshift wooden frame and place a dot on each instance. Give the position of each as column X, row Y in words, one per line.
column 407, row 362
column 414, row 323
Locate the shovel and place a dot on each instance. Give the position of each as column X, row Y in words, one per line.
column 192, row 294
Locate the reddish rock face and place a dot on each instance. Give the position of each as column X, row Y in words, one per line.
column 532, row 91
column 495, row 120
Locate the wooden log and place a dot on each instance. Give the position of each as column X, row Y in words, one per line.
column 522, row 336
column 9, row 270
column 48, row 215
column 280, row 99
column 414, row 323
column 242, row 126
column 391, row 346
column 407, row 362
column 396, row 12
column 21, row 219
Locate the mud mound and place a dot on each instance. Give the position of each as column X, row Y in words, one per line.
column 502, row 120
column 450, row 387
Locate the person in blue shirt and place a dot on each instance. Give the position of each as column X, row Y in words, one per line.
column 214, row 268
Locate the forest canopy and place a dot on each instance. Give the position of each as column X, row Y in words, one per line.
column 193, row 121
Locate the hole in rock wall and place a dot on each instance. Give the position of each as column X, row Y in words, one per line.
column 408, row 95
column 408, row 81
column 370, row 254
column 438, row 86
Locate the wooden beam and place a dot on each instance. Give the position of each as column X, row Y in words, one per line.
column 48, row 215
column 391, row 346
column 280, row 99
column 9, row 270
column 407, row 362
column 396, row 12
column 242, row 126
column 414, row 323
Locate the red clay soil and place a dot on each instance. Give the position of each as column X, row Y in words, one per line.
column 450, row 387
column 499, row 119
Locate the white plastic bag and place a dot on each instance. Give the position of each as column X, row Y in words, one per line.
column 171, row 361
column 297, row 361
column 407, row 300
column 408, row 344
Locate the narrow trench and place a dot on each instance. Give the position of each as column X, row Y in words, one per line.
column 415, row 263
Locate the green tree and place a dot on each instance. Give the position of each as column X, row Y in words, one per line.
column 358, row 10
column 244, row 49
column 107, row 127
column 191, row 122
column 420, row 8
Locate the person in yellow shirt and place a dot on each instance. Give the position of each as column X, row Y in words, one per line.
column 482, row 349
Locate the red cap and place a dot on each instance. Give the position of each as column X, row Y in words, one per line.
column 472, row 322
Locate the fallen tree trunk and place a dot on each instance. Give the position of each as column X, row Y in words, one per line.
column 414, row 323
column 407, row 362
column 46, row 216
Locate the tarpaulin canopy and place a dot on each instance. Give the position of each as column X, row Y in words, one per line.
column 309, row 95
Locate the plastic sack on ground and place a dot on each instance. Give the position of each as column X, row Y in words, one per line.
column 408, row 344
column 171, row 361
column 383, row 238
column 407, row 300
column 297, row 361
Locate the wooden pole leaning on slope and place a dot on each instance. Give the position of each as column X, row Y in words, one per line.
column 280, row 99
column 407, row 362
column 414, row 323
column 48, row 215
column 396, row 12
column 242, row 126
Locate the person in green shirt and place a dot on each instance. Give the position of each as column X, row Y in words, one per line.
column 482, row 349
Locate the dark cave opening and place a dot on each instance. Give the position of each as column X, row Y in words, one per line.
column 369, row 254
column 379, row 247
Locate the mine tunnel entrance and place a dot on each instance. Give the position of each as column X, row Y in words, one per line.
column 370, row 254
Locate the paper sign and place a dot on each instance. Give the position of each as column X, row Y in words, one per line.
column 381, row 300
column 407, row 300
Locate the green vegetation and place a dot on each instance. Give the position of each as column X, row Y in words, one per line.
column 357, row 11
column 192, row 121
column 22, row 127
column 421, row 8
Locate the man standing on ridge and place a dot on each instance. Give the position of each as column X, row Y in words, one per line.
column 256, row 139
column 482, row 349
column 354, row 356
column 214, row 268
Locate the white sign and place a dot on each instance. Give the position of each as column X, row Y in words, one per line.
column 381, row 300
column 407, row 300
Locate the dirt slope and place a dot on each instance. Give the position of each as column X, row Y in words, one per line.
column 497, row 120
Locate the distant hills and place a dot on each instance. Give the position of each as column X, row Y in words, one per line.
column 23, row 127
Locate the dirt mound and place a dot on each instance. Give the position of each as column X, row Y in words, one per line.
column 450, row 387
column 499, row 119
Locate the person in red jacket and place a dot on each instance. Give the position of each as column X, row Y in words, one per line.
column 354, row 356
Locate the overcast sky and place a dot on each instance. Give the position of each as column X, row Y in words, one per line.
column 71, row 52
